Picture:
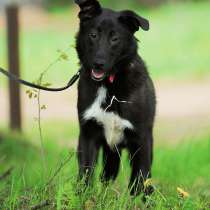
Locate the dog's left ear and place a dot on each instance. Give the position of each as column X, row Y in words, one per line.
column 88, row 9
column 133, row 21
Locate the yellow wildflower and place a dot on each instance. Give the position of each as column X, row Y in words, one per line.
column 182, row 193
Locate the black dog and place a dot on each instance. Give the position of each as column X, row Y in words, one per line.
column 116, row 98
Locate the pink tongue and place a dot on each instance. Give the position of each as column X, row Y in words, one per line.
column 97, row 75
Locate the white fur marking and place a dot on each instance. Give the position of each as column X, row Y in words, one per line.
column 113, row 124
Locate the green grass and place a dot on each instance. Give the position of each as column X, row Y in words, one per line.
column 185, row 165
column 39, row 50
column 176, row 47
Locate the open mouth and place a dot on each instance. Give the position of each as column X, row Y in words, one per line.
column 98, row 75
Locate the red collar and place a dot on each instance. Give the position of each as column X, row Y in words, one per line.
column 111, row 78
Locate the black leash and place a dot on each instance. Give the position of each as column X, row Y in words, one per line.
column 32, row 85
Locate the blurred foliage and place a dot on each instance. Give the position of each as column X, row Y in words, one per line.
column 177, row 46
column 115, row 4
column 56, row 3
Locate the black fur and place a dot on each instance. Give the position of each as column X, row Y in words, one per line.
column 106, row 42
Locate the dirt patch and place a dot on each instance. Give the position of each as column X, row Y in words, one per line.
column 183, row 110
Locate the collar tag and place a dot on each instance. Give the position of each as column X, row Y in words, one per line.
column 111, row 78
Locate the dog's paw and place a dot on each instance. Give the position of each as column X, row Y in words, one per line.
column 147, row 192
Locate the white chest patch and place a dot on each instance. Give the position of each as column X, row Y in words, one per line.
column 113, row 124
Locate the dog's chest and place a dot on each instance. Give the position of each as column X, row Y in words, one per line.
column 112, row 123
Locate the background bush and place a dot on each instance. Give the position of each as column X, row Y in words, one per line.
column 57, row 3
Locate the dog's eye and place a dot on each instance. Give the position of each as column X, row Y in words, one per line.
column 115, row 39
column 93, row 35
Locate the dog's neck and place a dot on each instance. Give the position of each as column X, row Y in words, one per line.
column 127, row 78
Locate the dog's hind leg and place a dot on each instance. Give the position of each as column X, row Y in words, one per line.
column 87, row 157
column 111, row 162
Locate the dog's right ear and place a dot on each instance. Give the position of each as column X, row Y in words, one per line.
column 88, row 9
column 133, row 21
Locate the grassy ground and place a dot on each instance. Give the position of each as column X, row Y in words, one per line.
column 34, row 179
column 177, row 46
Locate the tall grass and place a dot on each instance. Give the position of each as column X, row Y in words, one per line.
column 185, row 166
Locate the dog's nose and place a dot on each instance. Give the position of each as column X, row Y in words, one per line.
column 99, row 65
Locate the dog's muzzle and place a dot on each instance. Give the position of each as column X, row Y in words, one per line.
column 98, row 75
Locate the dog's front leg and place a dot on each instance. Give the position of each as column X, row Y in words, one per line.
column 87, row 157
column 141, row 161
column 111, row 163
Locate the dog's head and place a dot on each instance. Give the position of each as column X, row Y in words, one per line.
column 106, row 38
